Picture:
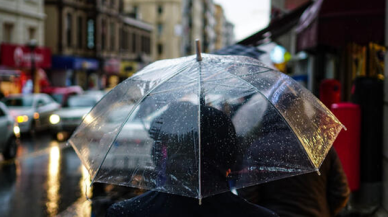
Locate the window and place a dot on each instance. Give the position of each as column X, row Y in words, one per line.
column 68, row 30
column 103, row 34
column 122, row 36
column 31, row 33
column 160, row 9
column 2, row 113
column 79, row 32
column 145, row 45
column 112, row 36
column 124, row 39
column 160, row 28
column 160, row 49
column 8, row 29
column 135, row 11
column 134, row 42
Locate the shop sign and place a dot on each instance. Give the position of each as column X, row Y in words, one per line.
column 128, row 68
column 112, row 66
column 90, row 33
column 20, row 56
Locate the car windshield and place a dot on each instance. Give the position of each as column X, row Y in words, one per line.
column 24, row 101
column 57, row 97
column 81, row 101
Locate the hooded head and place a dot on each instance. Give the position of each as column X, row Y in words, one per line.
column 177, row 149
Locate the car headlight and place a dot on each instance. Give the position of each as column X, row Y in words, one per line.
column 54, row 119
column 22, row 118
column 16, row 130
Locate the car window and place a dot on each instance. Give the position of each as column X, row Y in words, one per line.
column 41, row 102
column 46, row 99
column 25, row 101
column 2, row 113
column 58, row 97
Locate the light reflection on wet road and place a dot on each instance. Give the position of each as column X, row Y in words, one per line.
column 45, row 179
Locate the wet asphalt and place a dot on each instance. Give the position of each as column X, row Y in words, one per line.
column 45, row 179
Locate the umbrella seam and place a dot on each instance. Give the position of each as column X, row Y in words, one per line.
column 289, row 126
column 130, row 113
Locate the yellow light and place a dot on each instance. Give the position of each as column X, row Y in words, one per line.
column 36, row 115
column 54, row 119
column 22, row 118
column 60, row 136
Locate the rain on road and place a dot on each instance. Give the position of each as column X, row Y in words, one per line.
column 44, row 180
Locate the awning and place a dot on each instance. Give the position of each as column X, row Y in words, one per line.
column 277, row 27
column 75, row 63
column 336, row 23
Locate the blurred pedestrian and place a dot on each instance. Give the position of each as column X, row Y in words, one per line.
column 174, row 142
column 305, row 195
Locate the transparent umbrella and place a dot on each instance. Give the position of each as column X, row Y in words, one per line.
column 186, row 126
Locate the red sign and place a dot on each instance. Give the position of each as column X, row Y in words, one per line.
column 20, row 56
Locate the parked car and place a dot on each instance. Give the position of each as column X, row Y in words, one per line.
column 9, row 133
column 65, row 120
column 61, row 94
column 31, row 111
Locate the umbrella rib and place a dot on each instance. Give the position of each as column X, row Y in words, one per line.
column 200, row 99
column 285, row 120
column 130, row 113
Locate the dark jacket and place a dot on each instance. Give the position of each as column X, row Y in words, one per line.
column 155, row 203
column 305, row 195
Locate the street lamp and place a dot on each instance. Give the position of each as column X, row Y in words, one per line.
column 32, row 45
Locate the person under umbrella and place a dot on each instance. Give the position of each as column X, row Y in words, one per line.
column 310, row 194
column 173, row 133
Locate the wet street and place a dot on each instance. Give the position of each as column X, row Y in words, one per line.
column 45, row 179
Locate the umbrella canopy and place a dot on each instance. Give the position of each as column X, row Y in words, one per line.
column 188, row 127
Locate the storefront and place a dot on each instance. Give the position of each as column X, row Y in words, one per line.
column 128, row 68
column 17, row 61
column 71, row 70
column 112, row 70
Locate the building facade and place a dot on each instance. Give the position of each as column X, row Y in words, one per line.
column 177, row 24
column 209, row 25
column 192, row 26
column 94, row 45
column 21, row 39
column 166, row 18
column 21, row 21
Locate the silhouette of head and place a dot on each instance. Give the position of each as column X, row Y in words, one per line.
column 176, row 147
